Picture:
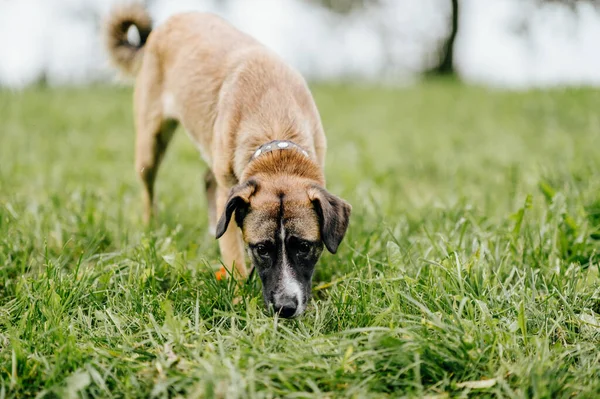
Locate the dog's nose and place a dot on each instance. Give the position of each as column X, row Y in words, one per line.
column 287, row 311
column 286, row 308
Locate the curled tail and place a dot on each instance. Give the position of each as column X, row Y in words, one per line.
column 124, row 53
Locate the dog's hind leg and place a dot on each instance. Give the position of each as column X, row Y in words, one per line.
column 153, row 134
column 154, row 129
column 210, row 184
column 151, row 144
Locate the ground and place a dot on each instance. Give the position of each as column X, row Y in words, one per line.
column 470, row 267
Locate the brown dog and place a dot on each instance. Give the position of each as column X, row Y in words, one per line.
column 258, row 129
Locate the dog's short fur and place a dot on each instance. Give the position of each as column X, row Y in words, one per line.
column 232, row 95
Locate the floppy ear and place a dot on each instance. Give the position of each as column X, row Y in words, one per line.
column 334, row 216
column 238, row 201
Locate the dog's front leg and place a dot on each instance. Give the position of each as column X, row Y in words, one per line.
column 231, row 243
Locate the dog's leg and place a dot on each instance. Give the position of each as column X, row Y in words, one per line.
column 153, row 137
column 231, row 243
column 210, row 184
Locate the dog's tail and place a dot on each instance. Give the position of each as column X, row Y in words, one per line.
column 124, row 52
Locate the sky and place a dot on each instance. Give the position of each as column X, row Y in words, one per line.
column 503, row 43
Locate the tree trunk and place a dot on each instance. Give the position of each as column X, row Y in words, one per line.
column 446, row 63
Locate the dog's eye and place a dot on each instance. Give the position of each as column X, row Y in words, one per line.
column 262, row 250
column 301, row 247
column 304, row 247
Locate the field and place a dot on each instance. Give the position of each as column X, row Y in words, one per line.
column 471, row 267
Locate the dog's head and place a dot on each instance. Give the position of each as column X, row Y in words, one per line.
column 285, row 222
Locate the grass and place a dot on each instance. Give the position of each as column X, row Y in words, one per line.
column 470, row 268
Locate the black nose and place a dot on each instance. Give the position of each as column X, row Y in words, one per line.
column 286, row 311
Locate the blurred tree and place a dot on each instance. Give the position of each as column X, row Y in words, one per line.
column 445, row 64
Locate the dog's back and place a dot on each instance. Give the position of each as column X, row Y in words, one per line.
column 198, row 69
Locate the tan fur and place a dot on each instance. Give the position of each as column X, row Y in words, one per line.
column 231, row 95
column 299, row 220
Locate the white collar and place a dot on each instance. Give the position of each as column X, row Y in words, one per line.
column 278, row 145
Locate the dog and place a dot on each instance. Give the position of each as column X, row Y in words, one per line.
column 258, row 129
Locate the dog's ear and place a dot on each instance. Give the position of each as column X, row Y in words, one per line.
column 334, row 216
column 238, row 202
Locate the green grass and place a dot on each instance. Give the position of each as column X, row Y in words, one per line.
column 470, row 267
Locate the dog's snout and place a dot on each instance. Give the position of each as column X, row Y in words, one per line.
column 285, row 307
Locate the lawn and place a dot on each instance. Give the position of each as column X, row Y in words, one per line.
column 471, row 266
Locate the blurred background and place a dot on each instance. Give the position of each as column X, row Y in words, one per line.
column 500, row 43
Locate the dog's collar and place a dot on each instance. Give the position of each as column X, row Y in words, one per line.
column 278, row 145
